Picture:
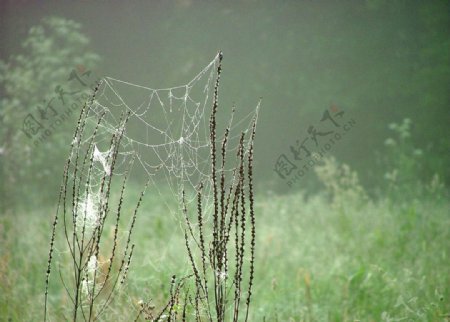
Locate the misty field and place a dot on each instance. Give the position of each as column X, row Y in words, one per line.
column 379, row 261
column 243, row 161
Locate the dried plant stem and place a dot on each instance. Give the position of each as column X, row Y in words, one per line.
column 83, row 236
column 231, row 196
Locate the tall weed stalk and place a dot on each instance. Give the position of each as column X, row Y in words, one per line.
column 97, row 267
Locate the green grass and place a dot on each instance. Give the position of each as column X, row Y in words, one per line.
column 382, row 261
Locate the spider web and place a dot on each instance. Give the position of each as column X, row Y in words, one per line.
column 166, row 135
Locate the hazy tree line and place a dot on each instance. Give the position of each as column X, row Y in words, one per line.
column 382, row 62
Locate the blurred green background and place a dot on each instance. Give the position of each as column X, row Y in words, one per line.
column 383, row 198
